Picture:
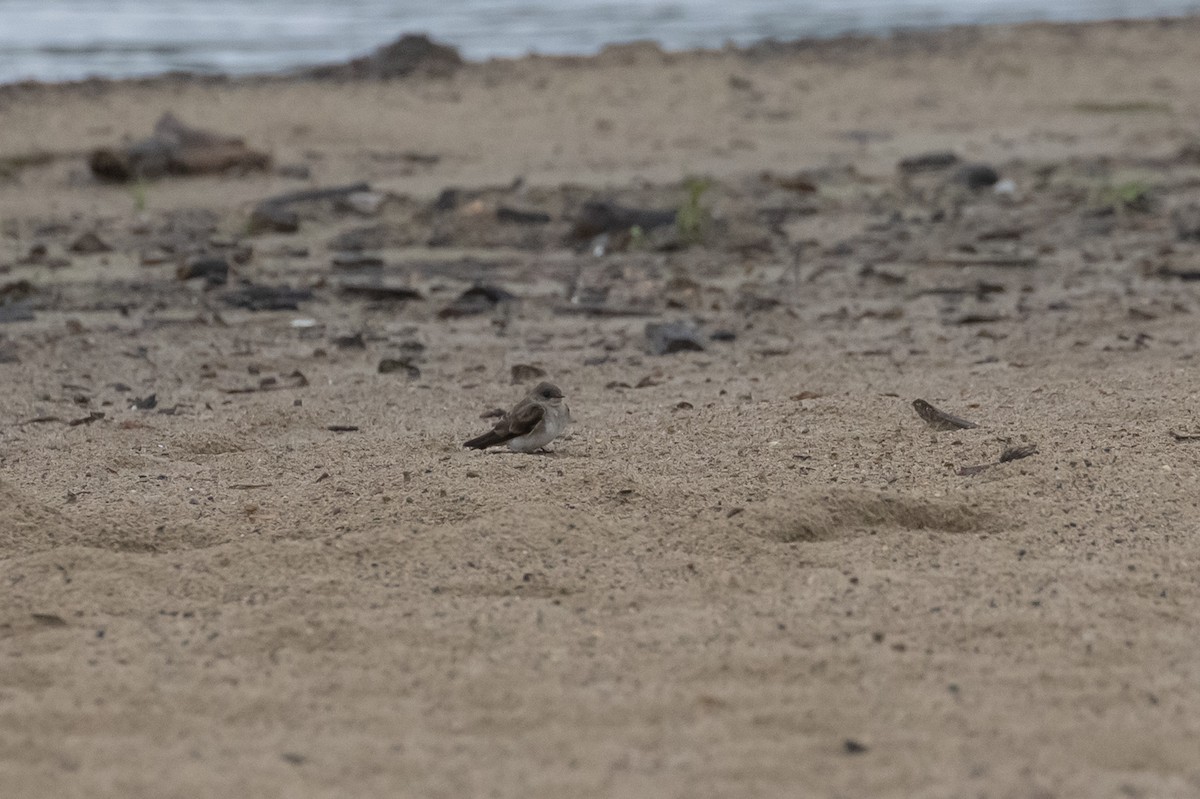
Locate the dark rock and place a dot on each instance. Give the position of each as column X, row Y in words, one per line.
column 600, row 216
column 977, row 176
column 723, row 335
column 928, row 162
column 88, row 244
column 356, row 260
column 1186, row 221
column 145, row 403
column 753, row 303
column 215, row 271
column 267, row 218
column 448, row 200
column 476, row 300
column 376, row 289
column 526, row 373
column 354, row 341
column 16, row 312
column 372, row 237
column 411, row 53
column 390, row 365
column 267, row 298
column 294, row 171
column 521, row 217
column 14, row 301
column 664, row 338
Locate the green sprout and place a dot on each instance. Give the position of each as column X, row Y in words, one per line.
column 692, row 218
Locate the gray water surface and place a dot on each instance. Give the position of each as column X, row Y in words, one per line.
column 71, row 39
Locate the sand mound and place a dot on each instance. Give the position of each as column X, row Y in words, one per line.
column 823, row 515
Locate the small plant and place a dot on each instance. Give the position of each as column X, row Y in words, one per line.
column 637, row 238
column 1132, row 195
column 138, row 190
column 691, row 218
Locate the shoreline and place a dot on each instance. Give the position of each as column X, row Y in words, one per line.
column 898, row 41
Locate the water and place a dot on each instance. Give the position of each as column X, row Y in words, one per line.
column 71, row 39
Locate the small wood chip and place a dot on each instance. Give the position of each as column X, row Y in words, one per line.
column 1016, row 453
column 940, row 420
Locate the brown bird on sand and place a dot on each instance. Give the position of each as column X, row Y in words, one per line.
column 532, row 423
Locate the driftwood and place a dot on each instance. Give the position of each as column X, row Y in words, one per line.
column 176, row 149
column 275, row 215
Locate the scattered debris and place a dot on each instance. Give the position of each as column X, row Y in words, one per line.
column 940, row 420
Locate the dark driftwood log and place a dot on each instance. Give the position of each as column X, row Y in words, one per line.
column 176, row 149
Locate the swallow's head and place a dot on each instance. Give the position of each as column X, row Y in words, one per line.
column 547, row 392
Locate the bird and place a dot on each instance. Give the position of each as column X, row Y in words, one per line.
column 534, row 422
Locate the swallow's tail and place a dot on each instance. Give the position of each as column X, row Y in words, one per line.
column 484, row 441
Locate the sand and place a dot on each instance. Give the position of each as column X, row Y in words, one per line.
column 746, row 571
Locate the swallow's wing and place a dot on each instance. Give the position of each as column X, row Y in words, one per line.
column 523, row 419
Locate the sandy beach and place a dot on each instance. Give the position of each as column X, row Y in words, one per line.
column 244, row 552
